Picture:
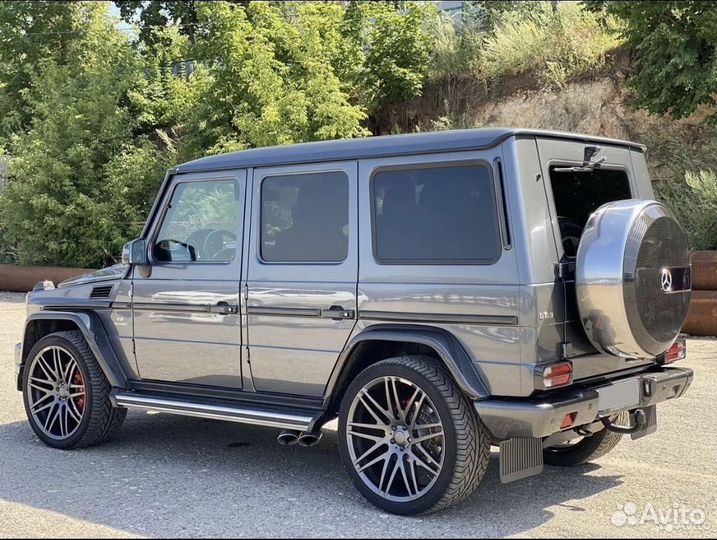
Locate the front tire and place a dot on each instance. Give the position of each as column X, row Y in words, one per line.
column 410, row 440
column 66, row 393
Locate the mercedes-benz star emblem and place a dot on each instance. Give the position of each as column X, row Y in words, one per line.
column 666, row 280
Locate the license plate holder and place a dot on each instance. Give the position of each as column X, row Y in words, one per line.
column 619, row 396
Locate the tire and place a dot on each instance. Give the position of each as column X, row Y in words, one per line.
column 81, row 402
column 460, row 447
column 588, row 448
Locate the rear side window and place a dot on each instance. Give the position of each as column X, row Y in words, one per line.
column 304, row 217
column 435, row 215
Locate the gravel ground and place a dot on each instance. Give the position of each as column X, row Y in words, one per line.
column 170, row 476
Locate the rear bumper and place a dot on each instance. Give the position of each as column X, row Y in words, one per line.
column 542, row 417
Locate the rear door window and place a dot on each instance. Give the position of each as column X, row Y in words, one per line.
column 435, row 215
column 304, row 218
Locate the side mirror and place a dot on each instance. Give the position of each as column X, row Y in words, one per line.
column 135, row 252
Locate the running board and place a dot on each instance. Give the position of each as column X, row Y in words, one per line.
column 253, row 414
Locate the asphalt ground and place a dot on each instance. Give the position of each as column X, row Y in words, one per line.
column 171, row 476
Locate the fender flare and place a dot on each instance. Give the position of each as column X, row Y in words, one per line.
column 446, row 345
column 94, row 333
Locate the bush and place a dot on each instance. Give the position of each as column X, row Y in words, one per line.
column 559, row 45
column 675, row 60
column 694, row 202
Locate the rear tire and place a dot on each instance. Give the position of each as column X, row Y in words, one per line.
column 587, row 449
column 435, row 448
column 66, row 393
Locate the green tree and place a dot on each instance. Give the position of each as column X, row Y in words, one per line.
column 396, row 39
column 30, row 33
column 675, row 69
column 60, row 204
column 269, row 80
column 149, row 15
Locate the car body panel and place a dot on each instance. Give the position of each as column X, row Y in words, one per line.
column 293, row 348
column 508, row 316
column 176, row 336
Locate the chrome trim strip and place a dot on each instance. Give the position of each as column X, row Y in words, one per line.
column 77, row 305
column 445, row 318
column 181, row 308
column 283, row 312
column 242, row 414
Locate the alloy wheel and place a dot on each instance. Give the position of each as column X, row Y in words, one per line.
column 56, row 392
column 395, row 439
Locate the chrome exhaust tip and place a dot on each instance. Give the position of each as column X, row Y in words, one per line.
column 307, row 439
column 288, row 437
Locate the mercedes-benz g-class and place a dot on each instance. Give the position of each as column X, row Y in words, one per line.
column 438, row 293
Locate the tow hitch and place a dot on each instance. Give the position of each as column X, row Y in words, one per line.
column 644, row 423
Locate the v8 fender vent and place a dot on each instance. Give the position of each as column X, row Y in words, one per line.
column 103, row 291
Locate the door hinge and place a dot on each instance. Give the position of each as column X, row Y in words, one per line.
column 566, row 350
column 565, row 270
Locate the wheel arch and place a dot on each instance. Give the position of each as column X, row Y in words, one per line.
column 43, row 323
column 379, row 342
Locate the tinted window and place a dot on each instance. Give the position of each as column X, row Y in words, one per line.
column 578, row 194
column 200, row 224
column 304, row 217
column 435, row 215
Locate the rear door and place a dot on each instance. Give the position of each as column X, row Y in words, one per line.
column 575, row 188
column 302, row 273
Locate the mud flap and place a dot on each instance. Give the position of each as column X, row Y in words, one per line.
column 520, row 458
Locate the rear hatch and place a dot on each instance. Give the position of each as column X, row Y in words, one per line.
column 579, row 178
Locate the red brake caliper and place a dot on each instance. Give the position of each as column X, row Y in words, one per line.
column 80, row 400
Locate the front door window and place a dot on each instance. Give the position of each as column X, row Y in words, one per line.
column 200, row 224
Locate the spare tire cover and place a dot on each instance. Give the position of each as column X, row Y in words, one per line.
column 633, row 278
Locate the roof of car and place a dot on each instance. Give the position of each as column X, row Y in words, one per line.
column 380, row 146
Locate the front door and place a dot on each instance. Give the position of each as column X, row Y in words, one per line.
column 303, row 269
column 186, row 304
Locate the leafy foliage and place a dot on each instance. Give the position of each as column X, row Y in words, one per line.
column 150, row 15
column 694, row 202
column 398, row 45
column 32, row 33
column 60, row 204
column 557, row 43
column 269, row 81
column 91, row 117
column 676, row 62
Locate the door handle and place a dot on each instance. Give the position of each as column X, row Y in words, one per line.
column 337, row 313
column 224, row 308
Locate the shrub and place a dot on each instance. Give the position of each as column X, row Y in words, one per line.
column 560, row 44
column 675, row 60
column 694, row 202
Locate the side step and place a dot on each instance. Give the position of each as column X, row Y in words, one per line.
column 249, row 413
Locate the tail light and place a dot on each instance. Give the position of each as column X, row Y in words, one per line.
column 677, row 351
column 557, row 375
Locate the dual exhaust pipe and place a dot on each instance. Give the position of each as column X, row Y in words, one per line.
column 302, row 438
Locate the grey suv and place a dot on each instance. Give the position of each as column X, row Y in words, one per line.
column 439, row 293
